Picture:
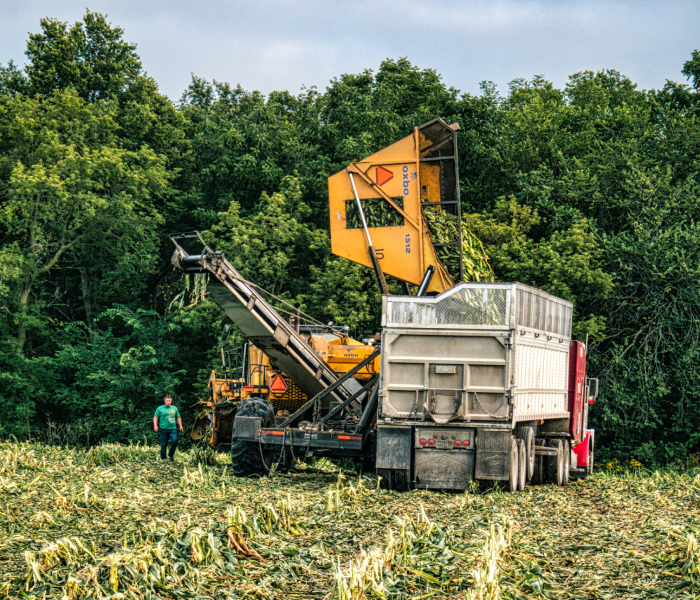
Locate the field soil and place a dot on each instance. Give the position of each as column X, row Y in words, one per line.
column 116, row 522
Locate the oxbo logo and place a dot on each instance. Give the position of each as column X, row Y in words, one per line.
column 405, row 180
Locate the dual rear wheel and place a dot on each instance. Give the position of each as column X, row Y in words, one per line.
column 556, row 468
column 526, row 466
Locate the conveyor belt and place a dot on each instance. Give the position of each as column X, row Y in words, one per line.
column 261, row 324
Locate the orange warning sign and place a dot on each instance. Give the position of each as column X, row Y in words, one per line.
column 383, row 175
column 278, row 386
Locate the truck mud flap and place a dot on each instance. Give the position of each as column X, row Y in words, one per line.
column 394, row 448
column 444, row 469
column 493, row 454
column 247, row 427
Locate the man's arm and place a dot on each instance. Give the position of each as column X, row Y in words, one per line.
column 179, row 422
column 155, row 423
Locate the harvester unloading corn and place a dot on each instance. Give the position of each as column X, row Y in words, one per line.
column 478, row 381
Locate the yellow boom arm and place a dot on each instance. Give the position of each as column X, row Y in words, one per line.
column 383, row 211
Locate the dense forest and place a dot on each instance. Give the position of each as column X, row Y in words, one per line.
column 589, row 192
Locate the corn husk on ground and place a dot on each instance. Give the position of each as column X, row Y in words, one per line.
column 114, row 522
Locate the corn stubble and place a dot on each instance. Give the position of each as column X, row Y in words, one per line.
column 114, row 522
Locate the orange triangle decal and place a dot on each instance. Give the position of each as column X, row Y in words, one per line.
column 278, row 385
column 383, row 175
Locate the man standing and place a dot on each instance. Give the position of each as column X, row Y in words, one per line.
column 164, row 422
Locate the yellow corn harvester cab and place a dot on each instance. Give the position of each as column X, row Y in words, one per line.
column 342, row 353
column 392, row 188
column 214, row 425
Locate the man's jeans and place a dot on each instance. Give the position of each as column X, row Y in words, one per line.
column 165, row 436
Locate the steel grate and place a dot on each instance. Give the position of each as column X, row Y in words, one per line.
column 464, row 306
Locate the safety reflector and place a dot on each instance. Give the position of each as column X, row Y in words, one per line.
column 383, row 175
column 278, row 386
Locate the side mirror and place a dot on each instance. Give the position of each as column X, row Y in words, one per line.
column 225, row 332
column 592, row 390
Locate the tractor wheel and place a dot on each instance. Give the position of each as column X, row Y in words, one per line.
column 522, row 465
column 247, row 458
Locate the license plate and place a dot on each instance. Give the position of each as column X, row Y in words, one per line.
column 444, row 445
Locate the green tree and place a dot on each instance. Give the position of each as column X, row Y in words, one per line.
column 67, row 188
column 90, row 56
column 273, row 247
column 114, row 379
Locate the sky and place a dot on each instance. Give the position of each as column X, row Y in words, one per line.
column 269, row 45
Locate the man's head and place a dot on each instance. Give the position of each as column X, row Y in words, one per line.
column 168, row 400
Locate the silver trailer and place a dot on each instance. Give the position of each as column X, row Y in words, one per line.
column 474, row 385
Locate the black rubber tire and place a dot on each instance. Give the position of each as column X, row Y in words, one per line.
column 385, row 482
column 539, row 477
column 398, row 480
column 527, row 434
column 559, row 445
column 364, row 465
column 522, row 465
column 513, row 468
column 245, row 456
column 567, row 462
column 554, row 465
column 402, row 480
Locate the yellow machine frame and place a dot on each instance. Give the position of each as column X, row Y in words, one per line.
column 417, row 171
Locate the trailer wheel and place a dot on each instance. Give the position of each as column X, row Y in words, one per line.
column 398, row 480
column 554, row 466
column 246, row 457
column 560, row 463
column 567, row 462
column 514, row 470
column 522, row 465
column 529, row 439
column 402, row 480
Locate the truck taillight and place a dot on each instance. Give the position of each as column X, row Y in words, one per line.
column 422, row 442
column 458, row 443
column 431, row 442
column 466, row 442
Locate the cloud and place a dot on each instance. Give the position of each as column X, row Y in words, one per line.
column 282, row 44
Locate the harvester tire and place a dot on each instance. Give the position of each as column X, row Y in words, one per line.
column 247, row 458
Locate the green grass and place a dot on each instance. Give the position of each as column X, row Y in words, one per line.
column 116, row 522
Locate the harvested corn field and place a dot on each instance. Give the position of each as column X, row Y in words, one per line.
column 116, row 522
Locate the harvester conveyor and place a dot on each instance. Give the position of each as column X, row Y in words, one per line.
column 261, row 324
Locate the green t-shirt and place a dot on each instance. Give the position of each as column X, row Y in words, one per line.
column 167, row 416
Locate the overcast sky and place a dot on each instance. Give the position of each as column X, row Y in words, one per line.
column 271, row 45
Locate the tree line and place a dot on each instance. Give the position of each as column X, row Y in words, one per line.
column 589, row 192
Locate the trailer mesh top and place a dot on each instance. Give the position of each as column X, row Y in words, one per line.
column 483, row 305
